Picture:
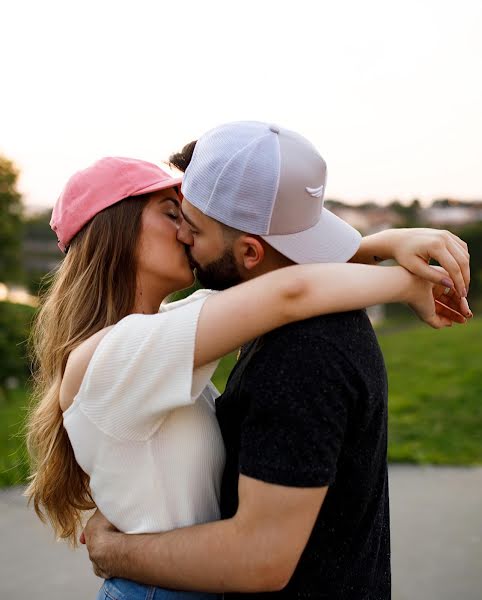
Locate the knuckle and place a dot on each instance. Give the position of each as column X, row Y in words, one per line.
column 92, row 556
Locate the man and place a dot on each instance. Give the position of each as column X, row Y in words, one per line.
column 304, row 496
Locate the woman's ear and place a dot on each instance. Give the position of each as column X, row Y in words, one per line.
column 248, row 251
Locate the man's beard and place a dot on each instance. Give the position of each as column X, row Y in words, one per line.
column 219, row 274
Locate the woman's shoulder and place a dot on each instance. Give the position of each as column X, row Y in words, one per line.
column 197, row 295
column 76, row 367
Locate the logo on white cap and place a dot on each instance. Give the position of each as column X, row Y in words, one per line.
column 315, row 192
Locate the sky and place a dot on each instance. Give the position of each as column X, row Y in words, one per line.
column 390, row 92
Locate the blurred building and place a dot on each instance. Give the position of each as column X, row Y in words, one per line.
column 453, row 214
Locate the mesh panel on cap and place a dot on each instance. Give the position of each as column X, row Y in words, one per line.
column 233, row 176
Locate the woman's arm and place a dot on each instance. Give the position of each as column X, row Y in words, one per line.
column 233, row 317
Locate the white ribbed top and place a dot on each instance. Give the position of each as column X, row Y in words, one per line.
column 143, row 424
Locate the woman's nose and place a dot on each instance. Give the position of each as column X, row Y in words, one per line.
column 184, row 234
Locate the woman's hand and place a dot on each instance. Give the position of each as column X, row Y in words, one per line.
column 438, row 306
column 416, row 247
column 413, row 249
column 449, row 304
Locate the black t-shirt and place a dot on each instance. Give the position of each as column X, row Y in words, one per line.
column 306, row 405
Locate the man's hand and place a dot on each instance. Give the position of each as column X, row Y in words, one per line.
column 257, row 550
column 95, row 536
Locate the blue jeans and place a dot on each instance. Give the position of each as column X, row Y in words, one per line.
column 124, row 589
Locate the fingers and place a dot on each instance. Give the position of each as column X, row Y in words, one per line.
column 447, row 249
column 450, row 298
column 452, row 254
column 465, row 308
column 431, row 273
column 443, row 322
column 448, row 313
column 99, row 572
column 458, row 241
column 458, row 304
column 463, row 259
column 439, row 321
column 449, row 236
column 446, row 259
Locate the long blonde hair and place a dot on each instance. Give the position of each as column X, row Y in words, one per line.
column 94, row 287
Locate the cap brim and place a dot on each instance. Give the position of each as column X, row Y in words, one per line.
column 160, row 185
column 330, row 240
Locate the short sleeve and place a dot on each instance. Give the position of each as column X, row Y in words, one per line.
column 142, row 370
column 299, row 393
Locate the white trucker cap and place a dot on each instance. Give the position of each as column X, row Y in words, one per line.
column 266, row 180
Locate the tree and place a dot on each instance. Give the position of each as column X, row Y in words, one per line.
column 409, row 213
column 15, row 321
column 11, row 227
column 40, row 251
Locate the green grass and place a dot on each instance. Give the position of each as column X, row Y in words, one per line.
column 223, row 371
column 435, row 394
column 435, row 391
column 435, row 399
column 13, row 460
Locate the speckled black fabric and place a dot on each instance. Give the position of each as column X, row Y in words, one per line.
column 306, row 405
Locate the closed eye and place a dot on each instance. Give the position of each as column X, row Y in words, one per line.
column 174, row 211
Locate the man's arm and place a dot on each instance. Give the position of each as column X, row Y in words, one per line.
column 413, row 249
column 290, row 437
column 255, row 551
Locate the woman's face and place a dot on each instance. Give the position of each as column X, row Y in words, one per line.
column 162, row 260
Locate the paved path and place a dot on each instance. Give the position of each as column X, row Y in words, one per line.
column 436, row 533
column 436, row 542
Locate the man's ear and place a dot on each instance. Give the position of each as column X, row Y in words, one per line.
column 248, row 251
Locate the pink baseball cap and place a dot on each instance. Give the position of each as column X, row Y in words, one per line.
column 106, row 182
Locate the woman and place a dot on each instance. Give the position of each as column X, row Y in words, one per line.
column 125, row 417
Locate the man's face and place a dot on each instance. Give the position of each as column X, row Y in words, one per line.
column 207, row 249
